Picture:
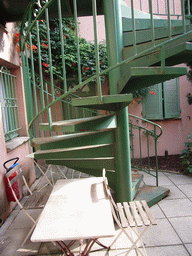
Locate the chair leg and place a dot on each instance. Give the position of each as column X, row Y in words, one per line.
column 28, row 235
column 134, row 243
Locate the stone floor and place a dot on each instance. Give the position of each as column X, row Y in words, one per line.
column 171, row 236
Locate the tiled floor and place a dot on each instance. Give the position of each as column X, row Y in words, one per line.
column 171, row 236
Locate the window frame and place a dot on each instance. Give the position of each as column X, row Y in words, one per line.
column 8, row 104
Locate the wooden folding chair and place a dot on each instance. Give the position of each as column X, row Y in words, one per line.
column 36, row 200
column 128, row 217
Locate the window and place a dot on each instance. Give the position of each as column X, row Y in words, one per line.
column 8, row 102
column 162, row 101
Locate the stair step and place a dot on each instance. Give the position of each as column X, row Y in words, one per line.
column 91, row 151
column 141, row 77
column 109, row 102
column 82, row 124
column 75, row 140
column 91, row 163
column 174, row 54
column 181, row 53
column 151, row 194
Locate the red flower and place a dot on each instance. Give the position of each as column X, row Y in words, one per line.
column 28, row 46
column 152, row 93
column 45, row 64
column 73, row 64
column 34, row 47
column 45, row 45
column 46, row 39
column 64, row 36
column 87, row 68
column 133, row 101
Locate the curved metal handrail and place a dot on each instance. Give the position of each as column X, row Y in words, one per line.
column 149, row 122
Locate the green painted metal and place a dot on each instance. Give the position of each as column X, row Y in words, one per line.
column 99, row 90
column 8, row 104
column 123, row 158
column 109, row 102
column 93, row 151
column 111, row 40
column 91, row 163
column 146, row 76
column 83, row 124
column 152, row 131
column 152, row 194
column 136, row 182
column 74, row 140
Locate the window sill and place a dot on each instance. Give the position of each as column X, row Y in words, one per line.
column 16, row 142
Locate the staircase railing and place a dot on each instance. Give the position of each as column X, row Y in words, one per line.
column 41, row 9
column 144, row 136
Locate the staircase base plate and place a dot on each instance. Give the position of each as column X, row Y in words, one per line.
column 151, row 194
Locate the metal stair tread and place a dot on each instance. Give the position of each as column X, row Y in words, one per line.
column 141, row 77
column 82, row 124
column 109, row 102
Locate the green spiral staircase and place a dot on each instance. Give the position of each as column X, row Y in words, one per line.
column 143, row 49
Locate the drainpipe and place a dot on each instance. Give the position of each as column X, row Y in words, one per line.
column 114, row 40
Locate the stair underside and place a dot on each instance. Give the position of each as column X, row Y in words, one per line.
column 137, row 78
column 75, row 140
column 151, row 194
column 144, row 35
column 82, row 124
column 109, row 102
column 174, row 55
column 91, row 151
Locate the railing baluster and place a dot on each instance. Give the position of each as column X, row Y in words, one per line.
column 62, row 45
column 189, row 9
column 156, row 158
column 183, row 15
column 134, row 28
column 140, row 148
column 99, row 91
column 152, row 23
column 77, row 41
column 148, row 153
column 50, row 61
column 169, row 19
column 49, row 109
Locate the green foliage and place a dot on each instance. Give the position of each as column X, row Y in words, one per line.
column 87, row 50
column 139, row 94
column 187, row 156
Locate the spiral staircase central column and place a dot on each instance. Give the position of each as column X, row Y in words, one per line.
column 113, row 21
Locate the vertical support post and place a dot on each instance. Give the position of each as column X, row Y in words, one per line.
column 113, row 23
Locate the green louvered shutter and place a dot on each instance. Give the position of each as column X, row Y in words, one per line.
column 152, row 104
column 171, row 98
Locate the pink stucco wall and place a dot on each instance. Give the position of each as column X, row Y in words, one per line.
column 10, row 58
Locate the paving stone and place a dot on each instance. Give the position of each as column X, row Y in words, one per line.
column 186, row 189
column 180, row 179
column 174, row 250
column 175, row 193
column 183, row 227
column 161, row 234
column 176, row 207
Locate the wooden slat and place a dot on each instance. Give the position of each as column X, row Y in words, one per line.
column 143, row 215
column 148, row 212
column 128, row 215
column 135, row 214
column 122, row 215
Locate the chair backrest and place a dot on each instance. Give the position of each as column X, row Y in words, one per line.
column 12, row 179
